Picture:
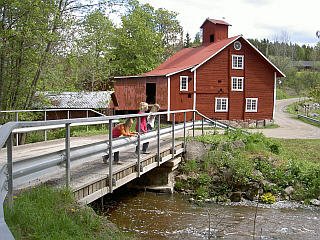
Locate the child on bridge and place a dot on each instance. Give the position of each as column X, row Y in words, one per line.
column 143, row 107
column 122, row 129
column 151, row 118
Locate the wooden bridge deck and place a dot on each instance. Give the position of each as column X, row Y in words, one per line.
column 90, row 176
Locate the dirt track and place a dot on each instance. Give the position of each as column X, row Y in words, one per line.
column 289, row 127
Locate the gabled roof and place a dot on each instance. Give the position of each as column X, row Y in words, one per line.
column 215, row 22
column 193, row 58
column 189, row 58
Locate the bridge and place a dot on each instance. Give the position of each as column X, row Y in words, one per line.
column 77, row 163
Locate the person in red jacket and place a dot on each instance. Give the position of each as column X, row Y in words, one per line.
column 143, row 126
column 122, row 129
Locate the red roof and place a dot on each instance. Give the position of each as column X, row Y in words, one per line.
column 190, row 57
column 216, row 22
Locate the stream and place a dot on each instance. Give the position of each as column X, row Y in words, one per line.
column 165, row 216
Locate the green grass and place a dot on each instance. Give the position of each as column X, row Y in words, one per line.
column 282, row 94
column 302, row 149
column 49, row 213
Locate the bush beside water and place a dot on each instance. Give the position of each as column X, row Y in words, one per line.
column 250, row 166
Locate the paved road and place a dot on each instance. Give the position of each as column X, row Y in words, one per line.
column 289, row 127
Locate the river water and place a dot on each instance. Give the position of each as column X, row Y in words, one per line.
column 165, row 216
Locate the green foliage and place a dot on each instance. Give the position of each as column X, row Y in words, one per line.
column 315, row 93
column 268, row 198
column 282, row 162
column 190, row 166
column 178, row 186
column 281, row 94
column 202, row 192
column 138, row 47
column 47, row 213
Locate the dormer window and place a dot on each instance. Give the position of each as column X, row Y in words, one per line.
column 212, row 38
column 183, row 83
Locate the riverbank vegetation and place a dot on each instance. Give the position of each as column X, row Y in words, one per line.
column 240, row 166
column 50, row 213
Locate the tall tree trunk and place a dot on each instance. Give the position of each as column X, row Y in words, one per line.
column 44, row 56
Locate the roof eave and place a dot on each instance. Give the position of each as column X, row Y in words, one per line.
column 172, row 73
column 281, row 73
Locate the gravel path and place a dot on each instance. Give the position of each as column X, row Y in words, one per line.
column 289, row 127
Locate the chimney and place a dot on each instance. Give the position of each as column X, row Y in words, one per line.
column 214, row 30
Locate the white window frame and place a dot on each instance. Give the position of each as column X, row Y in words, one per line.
column 237, row 65
column 256, row 104
column 184, row 78
column 238, row 87
column 216, row 109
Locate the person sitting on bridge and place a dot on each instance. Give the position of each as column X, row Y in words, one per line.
column 122, row 129
column 143, row 126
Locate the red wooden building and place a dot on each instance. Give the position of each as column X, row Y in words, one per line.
column 225, row 78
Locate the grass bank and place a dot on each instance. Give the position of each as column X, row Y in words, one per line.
column 254, row 167
column 49, row 213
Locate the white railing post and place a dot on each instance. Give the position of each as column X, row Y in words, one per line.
column 67, row 146
column 202, row 126
column 184, row 131
column 193, row 119
column 110, row 157
column 17, row 134
column 45, row 119
column 173, row 123
column 10, row 170
column 87, row 117
column 139, row 143
column 158, row 142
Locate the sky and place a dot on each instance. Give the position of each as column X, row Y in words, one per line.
column 273, row 19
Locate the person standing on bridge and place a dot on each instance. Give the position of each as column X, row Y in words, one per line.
column 151, row 118
column 122, row 129
column 143, row 126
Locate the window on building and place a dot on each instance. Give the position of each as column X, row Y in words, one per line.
column 221, row 105
column 251, row 104
column 237, row 61
column 183, row 83
column 237, row 83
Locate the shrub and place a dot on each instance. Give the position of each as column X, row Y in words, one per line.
column 268, row 198
column 190, row 166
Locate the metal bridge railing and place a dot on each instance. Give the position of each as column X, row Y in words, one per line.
column 45, row 111
column 13, row 170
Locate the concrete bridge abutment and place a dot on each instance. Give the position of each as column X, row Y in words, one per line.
column 160, row 179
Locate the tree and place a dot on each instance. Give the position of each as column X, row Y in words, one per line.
column 197, row 40
column 138, row 46
column 94, row 50
column 187, row 42
column 29, row 30
column 171, row 32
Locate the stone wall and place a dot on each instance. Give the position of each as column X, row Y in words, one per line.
column 248, row 123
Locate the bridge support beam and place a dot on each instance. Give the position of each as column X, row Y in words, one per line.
column 160, row 179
